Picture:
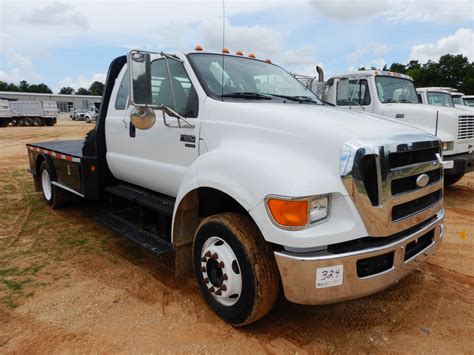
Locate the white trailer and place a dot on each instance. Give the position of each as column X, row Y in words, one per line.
column 5, row 113
column 34, row 113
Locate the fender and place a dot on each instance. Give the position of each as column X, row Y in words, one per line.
column 236, row 170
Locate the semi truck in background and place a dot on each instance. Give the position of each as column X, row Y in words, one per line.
column 393, row 95
column 34, row 113
column 250, row 182
column 5, row 113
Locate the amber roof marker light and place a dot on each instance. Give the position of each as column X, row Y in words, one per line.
column 198, row 47
column 239, row 53
column 225, row 51
column 251, row 55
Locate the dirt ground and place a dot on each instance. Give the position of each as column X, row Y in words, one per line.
column 70, row 285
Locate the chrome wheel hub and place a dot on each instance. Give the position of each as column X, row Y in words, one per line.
column 221, row 271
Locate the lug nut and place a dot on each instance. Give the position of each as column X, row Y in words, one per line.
column 221, row 265
column 214, row 256
column 203, row 269
column 208, row 254
column 218, row 293
column 212, row 289
column 203, row 259
column 225, row 277
column 206, row 280
column 224, row 288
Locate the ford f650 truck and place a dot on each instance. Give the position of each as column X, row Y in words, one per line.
column 394, row 95
column 234, row 168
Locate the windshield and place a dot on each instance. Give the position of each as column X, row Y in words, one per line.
column 391, row 89
column 240, row 75
column 439, row 99
column 457, row 100
column 469, row 101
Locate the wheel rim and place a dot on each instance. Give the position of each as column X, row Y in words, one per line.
column 46, row 185
column 220, row 271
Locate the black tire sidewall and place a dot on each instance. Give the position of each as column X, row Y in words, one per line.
column 239, row 312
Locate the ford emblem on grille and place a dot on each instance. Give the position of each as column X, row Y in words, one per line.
column 422, row 180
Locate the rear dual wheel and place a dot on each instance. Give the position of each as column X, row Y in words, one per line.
column 4, row 122
column 235, row 268
column 54, row 196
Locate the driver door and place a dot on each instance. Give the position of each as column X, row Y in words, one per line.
column 158, row 157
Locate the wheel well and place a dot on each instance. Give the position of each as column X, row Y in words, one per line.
column 39, row 160
column 193, row 208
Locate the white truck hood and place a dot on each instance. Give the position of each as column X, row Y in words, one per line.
column 424, row 117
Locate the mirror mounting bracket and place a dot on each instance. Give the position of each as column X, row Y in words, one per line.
column 172, row 113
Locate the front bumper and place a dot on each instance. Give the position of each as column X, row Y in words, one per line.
column 462, row 164
column 298, row 272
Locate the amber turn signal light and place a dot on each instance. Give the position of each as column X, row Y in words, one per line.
column 289, row 213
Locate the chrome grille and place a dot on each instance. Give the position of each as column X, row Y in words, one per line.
column 396, row 202
column 466, row 127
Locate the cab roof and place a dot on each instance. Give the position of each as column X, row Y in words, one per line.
column 372, row 73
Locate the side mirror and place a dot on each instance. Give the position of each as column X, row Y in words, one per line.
column 142, row 117
column 140, row 78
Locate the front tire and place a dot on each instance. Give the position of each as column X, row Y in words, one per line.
column 54, row 196
column 235, row 268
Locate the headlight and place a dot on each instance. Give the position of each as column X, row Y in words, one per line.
column 318, row 208
column 297, row 213
column 447, row 146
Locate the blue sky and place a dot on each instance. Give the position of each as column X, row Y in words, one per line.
column 71, row 43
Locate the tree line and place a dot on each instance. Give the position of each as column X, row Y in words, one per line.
column 96, row 88
column 453, row 71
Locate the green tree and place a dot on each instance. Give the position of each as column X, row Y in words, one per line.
column 96, row 88
column 40, row 88
column 66, row 90
column 24, row 86
column 398, row 68
column 82, row 91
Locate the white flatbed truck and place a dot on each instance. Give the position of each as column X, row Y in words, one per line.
column 247, row 178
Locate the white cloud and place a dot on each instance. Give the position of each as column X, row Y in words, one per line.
column 56, row 14
column 260, row 40
column 82, row 81
column 461, row 42
column 370, row 49
column 452, row 11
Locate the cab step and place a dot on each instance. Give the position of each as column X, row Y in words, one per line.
column 153, row 201
column 146, row 239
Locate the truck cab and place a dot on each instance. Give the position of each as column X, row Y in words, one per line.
column 393, row 95
column 250, row 182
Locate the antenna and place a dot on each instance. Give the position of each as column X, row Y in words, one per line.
column 223, row 46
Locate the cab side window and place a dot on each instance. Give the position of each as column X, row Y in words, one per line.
column 121, row 101
column 357, row 93
column 163, row 89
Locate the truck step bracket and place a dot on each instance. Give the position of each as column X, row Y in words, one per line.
column 145, row 239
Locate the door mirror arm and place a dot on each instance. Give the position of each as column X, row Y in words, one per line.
column 172, row 113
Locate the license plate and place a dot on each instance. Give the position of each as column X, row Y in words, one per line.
column 448, row 164
column 329, row 276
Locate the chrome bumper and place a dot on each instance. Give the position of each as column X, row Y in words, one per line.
column 298, row 272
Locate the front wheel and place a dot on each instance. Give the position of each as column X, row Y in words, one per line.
column 235, row 268
column 88, row 120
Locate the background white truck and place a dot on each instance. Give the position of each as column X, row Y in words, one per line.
column 394, row 95
column 230, row 167
column 34, row 113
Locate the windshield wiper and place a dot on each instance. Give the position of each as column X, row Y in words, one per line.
column 296, row 98
column 247, row 95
